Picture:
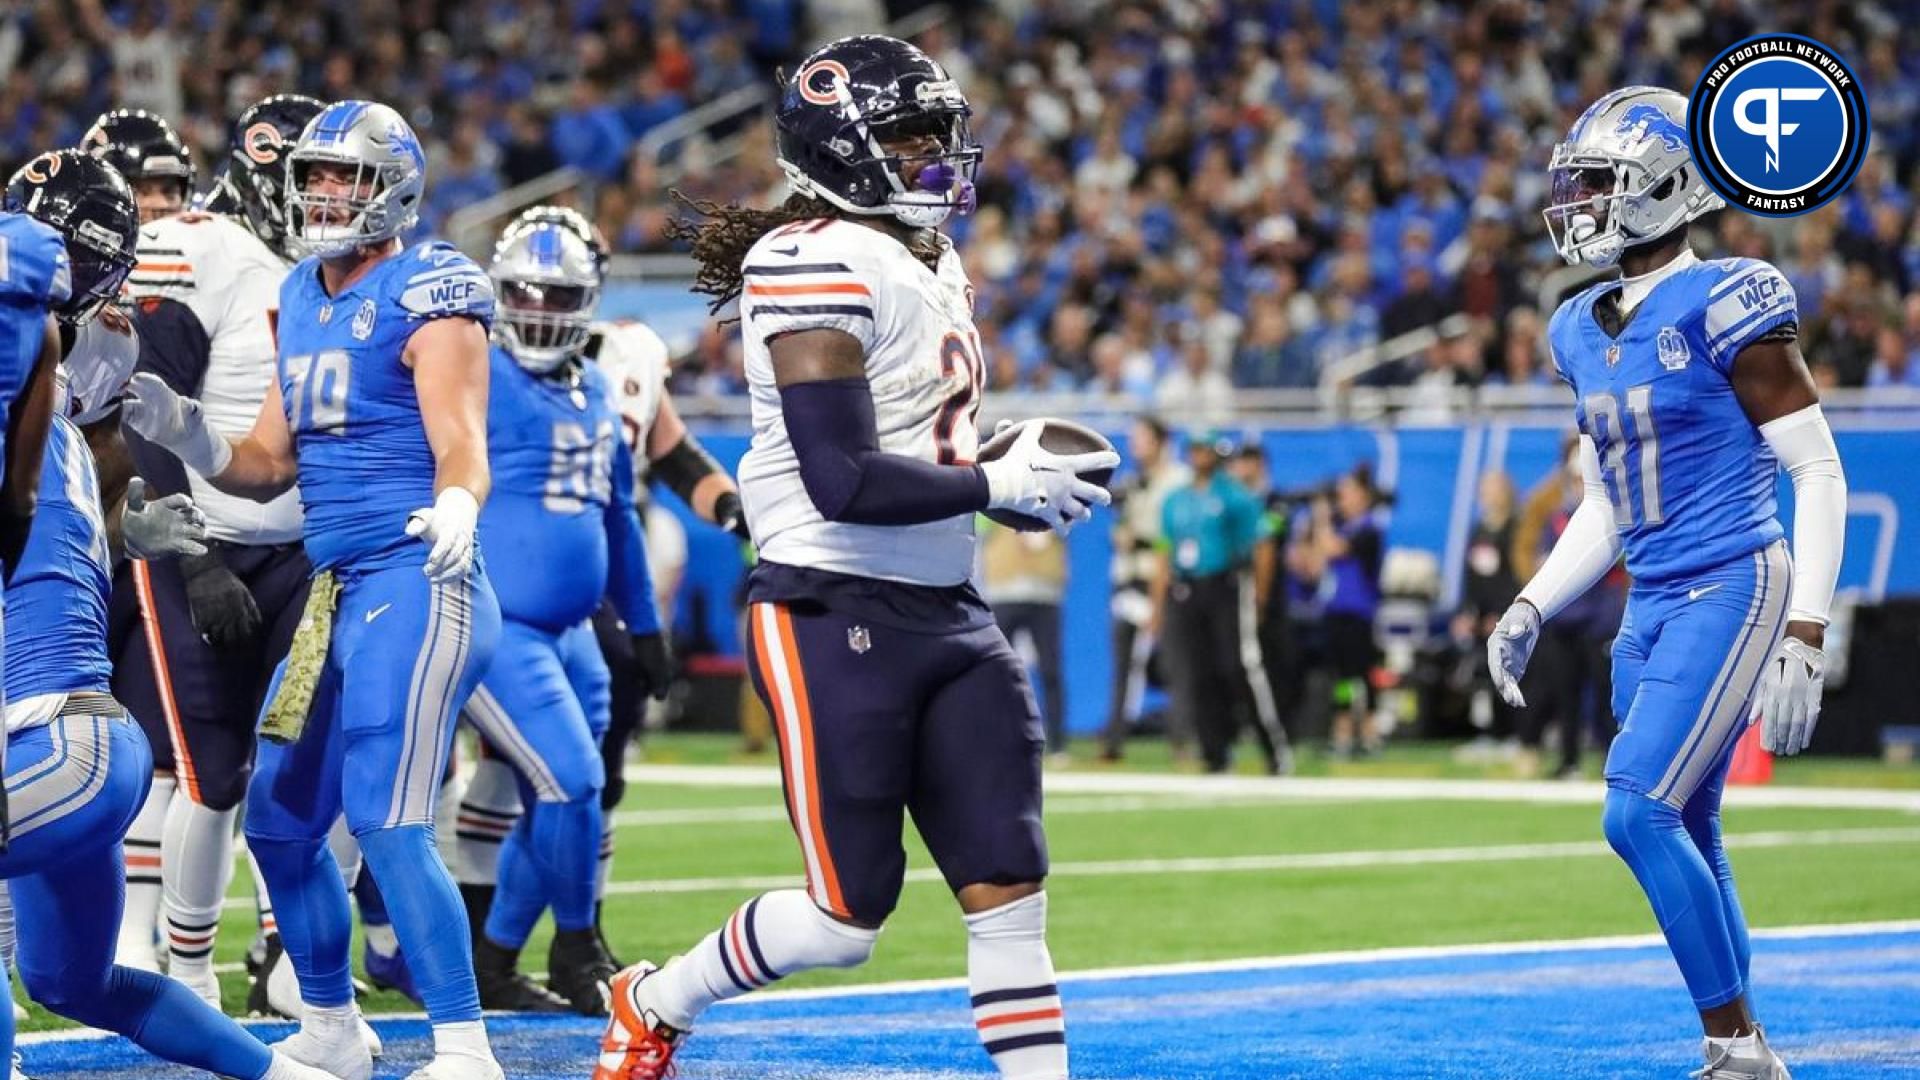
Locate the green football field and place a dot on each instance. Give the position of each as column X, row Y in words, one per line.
column 1153, row 866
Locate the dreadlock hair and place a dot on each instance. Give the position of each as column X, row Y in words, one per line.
column 721, row 235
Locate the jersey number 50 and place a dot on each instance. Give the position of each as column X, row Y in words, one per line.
column 1617, row 438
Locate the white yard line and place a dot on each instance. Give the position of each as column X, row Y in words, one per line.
column 1283, row 789
column 1204, row 967
column 1097, row 804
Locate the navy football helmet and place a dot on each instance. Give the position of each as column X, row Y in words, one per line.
column 142, row 146
column 254, row 187
column 89, row 204
column 876, row 127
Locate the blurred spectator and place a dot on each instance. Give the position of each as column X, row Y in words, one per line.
column 1271, row 354
column 1024, row 576
column 1195, row 392
column 1279, row 655
column 1137, row 499
column 1351, row 546
column 1490, row 587
column 590, row 134
column 146, row 60
column 1893, row 360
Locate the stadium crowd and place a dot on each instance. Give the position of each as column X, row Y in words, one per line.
column 1179, row 198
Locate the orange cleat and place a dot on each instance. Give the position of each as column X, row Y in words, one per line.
column 638, row 1044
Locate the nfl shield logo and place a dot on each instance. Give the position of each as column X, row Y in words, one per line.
column 326, row 314
column 858, row 639
column 363, row 322
column 1613, row 355
column 1673, row 348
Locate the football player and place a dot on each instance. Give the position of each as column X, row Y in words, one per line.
column 156, row 162
column 891, row 687
column 634, row 360
column 206, row 290
column 563, row 533
column 77, row 764
column 379, row 413
column 1690, row 393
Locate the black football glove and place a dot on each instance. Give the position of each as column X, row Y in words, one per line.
column 223, row 609
column 653, row 659
column 730, row 515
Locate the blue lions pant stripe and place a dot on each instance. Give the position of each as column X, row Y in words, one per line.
column 435, row 673
column 81, row 745
column 493, row 721
column 1725, row 712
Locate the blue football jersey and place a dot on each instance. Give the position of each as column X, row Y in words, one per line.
column 559, row 469
column 34, row 276
column 1691, row 480
column 57, row 603
column 364, row 459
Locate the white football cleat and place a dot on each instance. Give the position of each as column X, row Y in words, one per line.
column 1746, row 1057
column 17, row 1074
column 286, row 1068
column 339, row 1051
column 458, row 1067
column 638, row 1045
column 204, row 984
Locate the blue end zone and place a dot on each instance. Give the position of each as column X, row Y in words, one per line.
column 1840, row 1006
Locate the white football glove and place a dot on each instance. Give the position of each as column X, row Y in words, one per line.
column 448, row 527
column 1788, row 700
column 167, row 526
column 176, row 423
column 1509, row 648
column 1040, row 483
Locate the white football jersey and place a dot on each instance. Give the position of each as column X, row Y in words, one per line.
column 635, row 361
column 924, row 365
column 230, row 280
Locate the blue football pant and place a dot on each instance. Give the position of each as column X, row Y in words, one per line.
column 1686, row 661
column 543, row 709
column 74, row 787
column 405, row 655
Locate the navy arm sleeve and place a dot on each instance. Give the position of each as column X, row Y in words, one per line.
column 629, row 579
column 174, row 346
column 832, row 428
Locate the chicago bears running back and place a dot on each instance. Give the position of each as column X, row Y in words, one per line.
column 564, row 533
column 379, row 413
column 891, row 687
column 77, row 765
column 1690, row 393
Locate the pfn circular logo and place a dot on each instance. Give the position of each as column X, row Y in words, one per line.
column 1778, row 124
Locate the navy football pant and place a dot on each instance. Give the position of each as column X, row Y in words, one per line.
column 874, row 723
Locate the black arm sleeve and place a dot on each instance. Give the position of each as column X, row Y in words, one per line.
column 683, row 467
column 849, row 478
column 175, row 346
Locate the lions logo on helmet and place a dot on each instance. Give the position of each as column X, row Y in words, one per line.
column 547, row 284
column 1625, row 176
column 575, row 222
column 878, row 128
column 382, row 196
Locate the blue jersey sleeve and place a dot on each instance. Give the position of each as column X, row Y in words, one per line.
column 33, row 262
column 1750, row 301
column 629, row 579
column 442, row 283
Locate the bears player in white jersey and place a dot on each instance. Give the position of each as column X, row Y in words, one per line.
column 379, row 414
column 1690, row 393
column 207, row 288
column 892, row 688
column 634, row 361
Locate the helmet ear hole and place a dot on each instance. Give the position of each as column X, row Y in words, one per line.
column 1666, row 187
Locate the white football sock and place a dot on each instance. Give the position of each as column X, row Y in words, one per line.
column 606, row 857
column 141, row 919
column 770, row 937
column 467, row 1038
column 488, row 810
column 262, row 903
column 1016, row 1004
column 381, row 938
column 196, row 866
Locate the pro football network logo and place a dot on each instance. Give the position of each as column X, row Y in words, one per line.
column 1778, row 124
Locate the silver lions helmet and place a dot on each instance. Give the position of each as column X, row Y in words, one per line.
column 355, row 178
column 1625, row 175
column 546, row 281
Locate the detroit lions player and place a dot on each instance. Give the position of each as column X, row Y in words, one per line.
column 206, row 288
column 379, row 413
column 563, row 532
column 1690, row 393
column 891, row 686
column 77, row 764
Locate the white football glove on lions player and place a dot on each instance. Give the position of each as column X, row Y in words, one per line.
column 1789, row 696
column 1509, row 648
column 1037, row 482
column 178, row 424
column 447, row 526
column 166, row 526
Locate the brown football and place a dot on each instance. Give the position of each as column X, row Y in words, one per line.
column 1059, row 436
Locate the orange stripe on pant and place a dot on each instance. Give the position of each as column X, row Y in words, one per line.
column 163, row 678
column 782, row 653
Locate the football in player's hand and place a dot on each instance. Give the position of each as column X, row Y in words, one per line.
column 1058, row 436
